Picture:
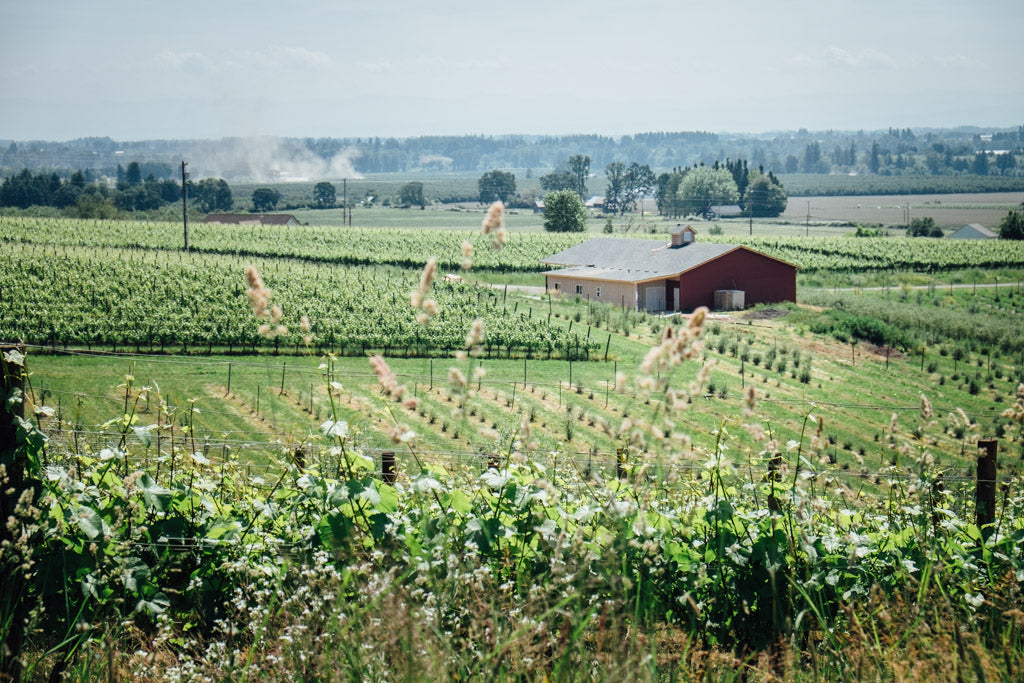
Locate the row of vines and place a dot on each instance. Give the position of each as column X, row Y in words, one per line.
column 164, row 300
column 412, row 248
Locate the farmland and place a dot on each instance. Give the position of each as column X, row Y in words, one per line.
column 564, row 503
column 948, row 210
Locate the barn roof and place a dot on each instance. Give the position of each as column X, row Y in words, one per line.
column 635, row 260
column 973, row 230
column 251, row 218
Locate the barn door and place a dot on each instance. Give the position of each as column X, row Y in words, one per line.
column 655, row 299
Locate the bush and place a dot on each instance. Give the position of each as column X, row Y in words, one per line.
column 564, row 212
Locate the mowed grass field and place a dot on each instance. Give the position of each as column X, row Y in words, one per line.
column 950, row 211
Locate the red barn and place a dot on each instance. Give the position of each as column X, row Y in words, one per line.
column 679, row 276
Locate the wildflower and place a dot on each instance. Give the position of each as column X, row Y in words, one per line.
column 456, row 380
column 749, row 401
column 494, row 218
column 259, row 296
column 493, row 225
column 620, row 382
column 476, row 334
column 387, row 379
column 427, row 308
column 926, row 408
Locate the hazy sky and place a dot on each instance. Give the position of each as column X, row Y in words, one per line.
column 187, row 69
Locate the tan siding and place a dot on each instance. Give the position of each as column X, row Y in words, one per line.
column 611, row 292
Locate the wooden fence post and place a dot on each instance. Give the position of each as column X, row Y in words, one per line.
column 387, row 467
column 774, row 463
column 985, row 491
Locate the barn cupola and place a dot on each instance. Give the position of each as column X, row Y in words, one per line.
column 682, row 236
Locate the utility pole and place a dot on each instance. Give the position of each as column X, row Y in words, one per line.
column 184, row 201
column 346, row 216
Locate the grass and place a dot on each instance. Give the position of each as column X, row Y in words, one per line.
column 510, row 547
column 856, row 385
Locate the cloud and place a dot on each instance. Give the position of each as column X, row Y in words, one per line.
column 186, row 62
column 378, row 67
column 284, row 58
column 956, row 60
column 834, row 55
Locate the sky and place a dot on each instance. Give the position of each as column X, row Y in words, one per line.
column 134, row 70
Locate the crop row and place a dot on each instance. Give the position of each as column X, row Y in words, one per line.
column 523, row 251
column 79, row 296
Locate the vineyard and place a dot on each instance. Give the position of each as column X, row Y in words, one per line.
column 770, row 493
column 80, row 296
column 523, row 253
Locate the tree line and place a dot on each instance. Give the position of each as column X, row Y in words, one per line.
column 85, row 194
column 681, row 192
column 896, row 151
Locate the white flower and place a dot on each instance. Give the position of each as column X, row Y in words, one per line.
column 548, row 529
column 976, row 600
column 424, row 484
column 332, row 428
column 735, row 555
column 495, row 479
column 909, row 566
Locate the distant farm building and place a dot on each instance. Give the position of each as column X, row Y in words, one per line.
column 679, row 276
column 973, row 231
column 253, row 219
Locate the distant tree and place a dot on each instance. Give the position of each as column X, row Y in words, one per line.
column 579, row 167
column 765, row 196
column 874, row 158
column 213, row 194
column 1006, row 162
column 980, row 165
column 640, row 181
column 170, row 191
column 923, row 227
column 564, row 212
column 704, row 187
column 67, row 195
column 1012, row 226
column 325, row 195
column 792, row 164
column 265, row 199
column 77, row 179
column 557, row 180
column 94, row 205
column 813, row 162
column 667, row 196
column 496, row 186
column 133, row 174
column 615, row 187
column 411, row 194
column 137, row 198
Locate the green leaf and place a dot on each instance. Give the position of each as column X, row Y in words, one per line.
column 90, row 522
column 458, row 501
column 156, row 497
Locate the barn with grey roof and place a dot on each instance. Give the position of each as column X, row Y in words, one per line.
column 646, row 275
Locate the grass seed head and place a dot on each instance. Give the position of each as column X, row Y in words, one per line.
column 494, row 218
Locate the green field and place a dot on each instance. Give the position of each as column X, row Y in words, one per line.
column 780, row 492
